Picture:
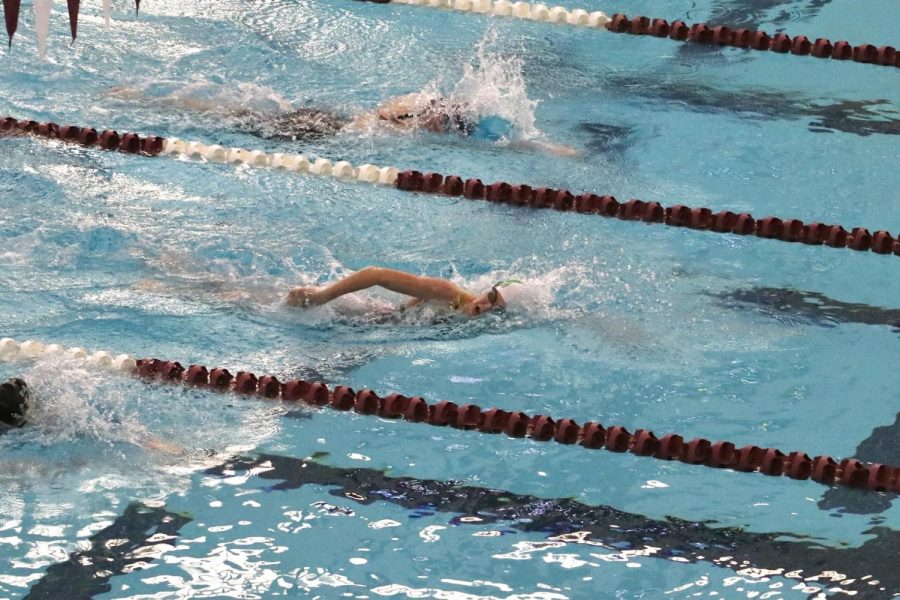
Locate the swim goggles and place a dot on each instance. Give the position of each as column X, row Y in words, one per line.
column 493, row 295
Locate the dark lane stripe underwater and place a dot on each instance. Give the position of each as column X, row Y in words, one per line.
column 86, row 574
column 674, row 538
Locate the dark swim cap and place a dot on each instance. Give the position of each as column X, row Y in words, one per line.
column 14, row 395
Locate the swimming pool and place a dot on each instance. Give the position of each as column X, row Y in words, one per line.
column 718, row 336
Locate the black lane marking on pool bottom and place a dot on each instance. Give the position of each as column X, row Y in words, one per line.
column 610, row 140
column 811, row 308
column 857, row 117
column 87, row 573
column 751, row 14
column 673, row 539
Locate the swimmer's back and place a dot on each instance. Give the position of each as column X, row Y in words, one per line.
column 300, row 124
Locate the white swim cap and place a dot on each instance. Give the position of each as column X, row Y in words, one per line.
column 511, row 291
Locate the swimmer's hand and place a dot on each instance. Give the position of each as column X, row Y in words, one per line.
column 304, row 297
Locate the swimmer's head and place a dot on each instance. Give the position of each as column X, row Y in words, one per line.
column 498, row 297
column 14, row 396
column 432, row 112
column 413, row 110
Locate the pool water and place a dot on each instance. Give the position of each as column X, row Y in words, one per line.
column 717, row 336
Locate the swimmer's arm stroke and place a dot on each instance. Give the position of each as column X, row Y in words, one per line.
column 151, row 442
column 547, row 147
column 420, row 287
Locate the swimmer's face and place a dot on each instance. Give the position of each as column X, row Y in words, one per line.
column 488, row 301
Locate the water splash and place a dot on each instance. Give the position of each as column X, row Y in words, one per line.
column 535, row 297
column 74, row 405
column 493, row 85
column 70, row 403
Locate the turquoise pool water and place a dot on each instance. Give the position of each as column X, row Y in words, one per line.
column 718, row 336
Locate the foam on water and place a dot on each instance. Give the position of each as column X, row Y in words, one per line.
column 69, row 402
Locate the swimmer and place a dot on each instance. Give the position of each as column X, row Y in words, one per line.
column 417, row 111
column 422, row 289
column 439, row 114
column 16, row 397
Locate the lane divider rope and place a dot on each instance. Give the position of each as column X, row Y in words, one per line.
column 153, row 146
column 519, row 10
column 678, row 215
column 11, row 350
column 593, row 435
column 781, row 43
column 698, row 33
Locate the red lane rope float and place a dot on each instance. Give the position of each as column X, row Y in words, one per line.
column 720, row 35
column 106, row 139
column 593, row 435
column 678, row 215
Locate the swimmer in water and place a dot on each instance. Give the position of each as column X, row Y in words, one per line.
column 422, row 289
column 434, row 113
column 418, row 111
column 16, row 397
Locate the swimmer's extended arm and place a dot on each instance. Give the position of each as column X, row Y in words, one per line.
column 417, row 286
column 151, row 442
column 546, row 146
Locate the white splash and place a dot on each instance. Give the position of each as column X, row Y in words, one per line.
column 42, row 10
column 493, row 84
column 535, row 296
column 69, row 404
